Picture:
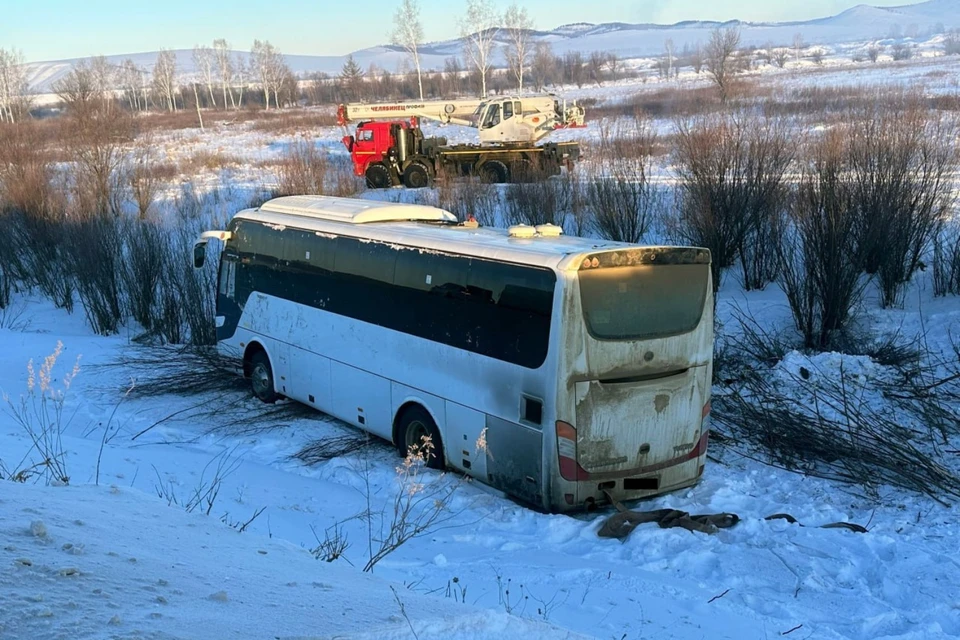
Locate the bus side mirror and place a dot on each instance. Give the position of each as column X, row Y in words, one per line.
column 199, row 254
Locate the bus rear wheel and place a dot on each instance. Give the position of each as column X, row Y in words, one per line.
column 261, row 378
column 416, row 427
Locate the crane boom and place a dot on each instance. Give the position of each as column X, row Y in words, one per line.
column 453, row 111
column 525, row 119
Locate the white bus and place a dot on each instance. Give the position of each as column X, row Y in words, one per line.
column 585, row 366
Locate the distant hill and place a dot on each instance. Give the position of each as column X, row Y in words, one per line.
column 861, row 23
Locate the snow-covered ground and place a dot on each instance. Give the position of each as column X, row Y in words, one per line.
column 116, row 560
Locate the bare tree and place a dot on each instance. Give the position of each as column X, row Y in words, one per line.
column 951, row 43
column 874, row 51
column 133, row 81
column 452, row 73
column 573, row 68
column 221, row 53
column 517, row 26
column 268, row 67
column 543, row 66
column 817, row 56
column 901, row 51
column 613, row 65
column 669, row 53
column 696, row 59
column 14, row 100
column 780, row 57
column 595, row 64
column 205, row 61
column 720, row 53
column 408, row 33
column 479, row 29
column 798, row 45
column 165, row 78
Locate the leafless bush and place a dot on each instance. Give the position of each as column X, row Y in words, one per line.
column 781, row 57
column 92, row 256
column 468, row 196
column 188, row 296
column 951, row 43
column 95, row 140
column 820, row 272
column 946, row 261
column 203, row 496
column 145, row 180
column 873, row 52
column 620, row 192
column 902, row 161
column 330, row 447
column 901, row 51
column 732, row 190
column 303, row 169
column 143, row 268
column 830, row 429
column 419, row 506
column 333, row 545
column 541, row 200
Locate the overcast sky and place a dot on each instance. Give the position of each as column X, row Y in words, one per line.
column 56, row 29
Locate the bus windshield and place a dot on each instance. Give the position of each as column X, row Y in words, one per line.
column 645, row 301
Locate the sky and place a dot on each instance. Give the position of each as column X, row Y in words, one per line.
column 59, row 29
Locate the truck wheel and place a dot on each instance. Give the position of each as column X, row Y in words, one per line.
column 416, row 176
column 494, row 171
column 378, row 176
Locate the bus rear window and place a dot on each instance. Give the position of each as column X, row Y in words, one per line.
column 643, row 301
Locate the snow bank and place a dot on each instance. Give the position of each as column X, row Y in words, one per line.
column 92, row 562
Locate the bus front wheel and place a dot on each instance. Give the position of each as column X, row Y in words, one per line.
column 261, row 378
column 417, row 428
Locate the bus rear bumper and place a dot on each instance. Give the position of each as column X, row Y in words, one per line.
column 588, row 495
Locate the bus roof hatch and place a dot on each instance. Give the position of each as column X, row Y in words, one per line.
column 353, row 211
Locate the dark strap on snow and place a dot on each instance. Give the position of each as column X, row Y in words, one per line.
column 621, row 524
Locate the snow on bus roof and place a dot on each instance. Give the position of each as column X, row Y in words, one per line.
column 482, row 242
column 354, row 211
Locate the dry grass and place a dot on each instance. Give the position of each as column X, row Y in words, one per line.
column 206, row 160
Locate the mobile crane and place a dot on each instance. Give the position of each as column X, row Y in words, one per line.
column 389, row 148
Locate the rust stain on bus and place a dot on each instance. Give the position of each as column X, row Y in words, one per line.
column 661, row 402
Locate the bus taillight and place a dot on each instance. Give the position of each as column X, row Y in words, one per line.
column 567, row 453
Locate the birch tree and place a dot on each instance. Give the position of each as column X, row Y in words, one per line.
column 14, row 99
column 204, row 61
column 131, row 79
column 165, row 78
column 269, row 70
column 479, row 29
column 408, row 33
column 221, row 53
column 517, row 25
